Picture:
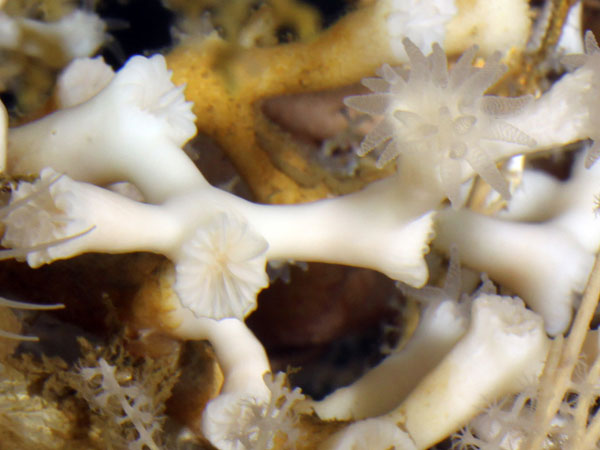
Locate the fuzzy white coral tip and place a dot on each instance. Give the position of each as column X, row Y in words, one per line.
column 408, row 264
column 42, row 215
column 146, row 83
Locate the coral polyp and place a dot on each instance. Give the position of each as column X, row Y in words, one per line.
column 441, row 117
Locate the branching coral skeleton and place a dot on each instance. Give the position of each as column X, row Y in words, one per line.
column 443, row 128
column 444, row 320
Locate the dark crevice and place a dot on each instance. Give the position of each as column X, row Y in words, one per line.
column 139, row 27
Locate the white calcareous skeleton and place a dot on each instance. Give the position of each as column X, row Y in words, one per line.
column 444, row 130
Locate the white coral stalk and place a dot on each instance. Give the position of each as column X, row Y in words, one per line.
column 568, row 205
column 442, row 323
column 130, row 131
column 504, row 349
column 244, row 363
column 547, row 256
column 374, row 228
column 440, row 327
column 558, row 117
column 568, row 111
column 241, row 356
column 542, row 264
column 411, row 18
column 535, row 198
column 394, row 236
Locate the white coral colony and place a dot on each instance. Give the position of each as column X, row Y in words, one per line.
column 131, row 126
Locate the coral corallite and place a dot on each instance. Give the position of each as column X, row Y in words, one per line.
column 222, row 268
column 441, row 117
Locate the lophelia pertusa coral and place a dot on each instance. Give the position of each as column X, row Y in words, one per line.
column 438, row 121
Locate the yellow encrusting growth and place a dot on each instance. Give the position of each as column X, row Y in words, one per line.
column 226, row 84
